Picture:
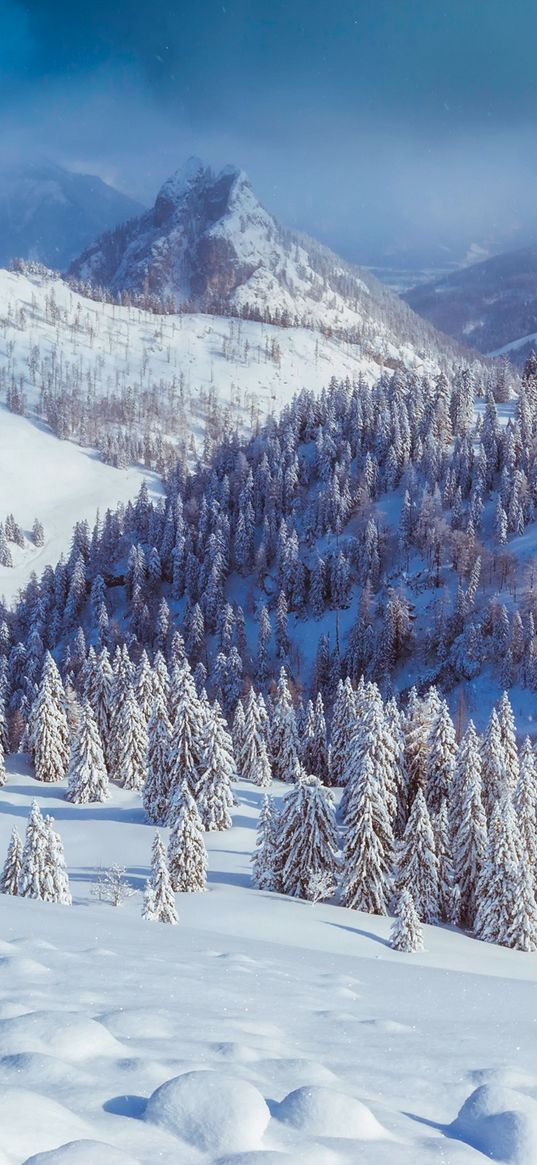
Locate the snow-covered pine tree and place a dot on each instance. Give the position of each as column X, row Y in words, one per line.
column 469, row 825
column 417, row 864
column 87, row 775
column 144, row 690
column 496, row 891
column 406, row 934
column 214, row 796
column 131, row 747
column 263, row 858
column 187, row 853
column 159, row 901
column 526, row 803
column 283, row 734
column 49, row 731
column 508, row 735
column 343, row 723
column 186, row 745
column 56, row 881
column 522, row 934
column 238, row 729
column 416, row 730
column 34, row 856
column 448, row 892
column 248, row 759
column 156, row 789
column 307, row 838
column 121, row 691
column 9, row 881
column 97, row 690
column 493, row 764
column 372, row 738
column 368, row 845
column 440, row 759
column 262, row 774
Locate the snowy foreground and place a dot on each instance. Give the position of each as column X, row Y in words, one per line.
column 310, row 1040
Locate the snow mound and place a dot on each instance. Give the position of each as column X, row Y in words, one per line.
column 500, row 1123
column 31, row 1123
column 324, row 1112
column 137, row 1022
column 60, row 1034
column 82, row 1153
column 263, row 1157
column 212, row 1112
column 42, row 1072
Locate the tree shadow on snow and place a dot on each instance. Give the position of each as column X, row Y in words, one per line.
column 228, row 878
column 96, row 811
column 376, row 938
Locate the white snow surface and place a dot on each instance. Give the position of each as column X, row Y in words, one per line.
column 276, row 1031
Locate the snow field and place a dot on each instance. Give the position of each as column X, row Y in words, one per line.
column 260, row 1029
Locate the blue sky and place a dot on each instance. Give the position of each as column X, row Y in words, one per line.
column 363, row 122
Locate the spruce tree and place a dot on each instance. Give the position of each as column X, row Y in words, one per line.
column 368, row 846
column 406, row 933
column 187, row 853
column 159, row 902
column 131, row 747
column 417, row 863
column 448, row 892
column 9, row 882
column 56, row 882
column 156, row 789
column 522, row 935
column 186, row 745
column 343, row 722
column 263, row 857
column 283, row 734
column 526, row 803
column 87, row 775
column 262, row 774
column 440, row 760
column 238, row 734
column 508, row 736
column 248, row 759
column 307, row 838
column 49, row 730
column 469, row 825
column 34, row 856
column 213, row 795
column 497, row 887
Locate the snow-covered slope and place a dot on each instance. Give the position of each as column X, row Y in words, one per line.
column 260, row 996
column 52, row 338
column 49, row 214
column 208, row 241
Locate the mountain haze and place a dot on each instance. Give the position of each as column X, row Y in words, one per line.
column 48, row 214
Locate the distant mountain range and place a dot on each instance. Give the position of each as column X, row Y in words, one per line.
column 491, row 306
column 49, row 214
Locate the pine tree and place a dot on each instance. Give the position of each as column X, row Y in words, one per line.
column 496, row 889
column 34, row 856
column 441, row 759
column 469, row 825
column 187, row 854
column 262, row 774
column 523, row 929
column 97, row 690
column 49, row 731
column 368, row 846
column 238, row 733
column 508, row 735
column 417, row 863
column 263, row 858
column 283, row 734
column 159, row 902
column 156, row 789
column 307, row 842
column 186, row 746
column 131, row 747
column 213, row 795
column 87, row 775
column 406, row 933
column 56, row 883
column 526, row 803
column 9, row 882
column 343, row 722
column 494, row 764
column 448, row 892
